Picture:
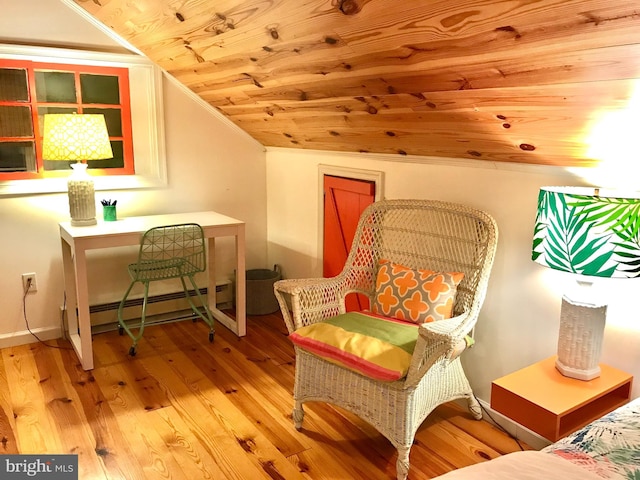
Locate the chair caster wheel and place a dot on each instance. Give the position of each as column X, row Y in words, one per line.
column 132, row 351
column 121, row 331
column 210, row 337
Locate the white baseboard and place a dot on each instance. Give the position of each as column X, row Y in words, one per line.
column 514, row 429
column 104, row 316
column 25, row 337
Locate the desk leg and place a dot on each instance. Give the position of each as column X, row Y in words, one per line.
column 79, row 322
column 211, row 273
column 219, row 315
column 241, row 299
column 239, row 326
column 70, row 289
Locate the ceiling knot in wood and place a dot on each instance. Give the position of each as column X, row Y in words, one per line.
column 351, row 7
column 247, row 444
column 464, row 84
column 273, row 31
column 509, row 29
column 505, row 124
column 102, row 452
column 253, row 80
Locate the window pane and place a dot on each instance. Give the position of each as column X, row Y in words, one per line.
column 116, row 162
column 49, row 165
column 113, row 118
column 15, row 122
column 100, row 89
column 13, row 85
column 43, row 110
column 56, row 87
column 17, row 157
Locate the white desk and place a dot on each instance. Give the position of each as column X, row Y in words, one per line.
column 127, row 231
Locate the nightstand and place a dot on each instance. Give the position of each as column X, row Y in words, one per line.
column 539, row 398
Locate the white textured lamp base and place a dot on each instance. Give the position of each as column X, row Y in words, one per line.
column 580, row 339
column 82, row 198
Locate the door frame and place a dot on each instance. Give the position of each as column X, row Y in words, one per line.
column 375, row 176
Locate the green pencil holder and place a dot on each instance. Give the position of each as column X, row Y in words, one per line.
column 109, row 213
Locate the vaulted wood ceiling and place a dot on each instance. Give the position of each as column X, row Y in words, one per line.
column 509, row 81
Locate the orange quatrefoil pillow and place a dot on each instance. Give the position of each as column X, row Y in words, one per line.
column 417, row 296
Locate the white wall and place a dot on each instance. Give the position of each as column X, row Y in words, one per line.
column 211, row 166
column 519, row 321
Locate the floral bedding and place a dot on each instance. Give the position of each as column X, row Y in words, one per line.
column 608, row 447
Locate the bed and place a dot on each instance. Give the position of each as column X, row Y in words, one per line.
column 607, row 448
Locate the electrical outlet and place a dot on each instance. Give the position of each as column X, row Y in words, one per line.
column 31, row 287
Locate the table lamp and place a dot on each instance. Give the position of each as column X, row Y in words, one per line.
column 588, row 232
column 77, row 137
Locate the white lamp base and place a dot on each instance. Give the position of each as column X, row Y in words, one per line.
column 580, row 339
column 82, row 198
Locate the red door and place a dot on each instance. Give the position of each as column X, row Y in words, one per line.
column 344, row 201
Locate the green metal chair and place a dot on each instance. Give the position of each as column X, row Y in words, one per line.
column 170, row 251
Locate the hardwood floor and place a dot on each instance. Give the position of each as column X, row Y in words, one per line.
column 187, row 409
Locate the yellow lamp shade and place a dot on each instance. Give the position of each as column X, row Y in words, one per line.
column 75, row 137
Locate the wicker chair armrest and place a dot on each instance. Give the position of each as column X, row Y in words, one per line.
column 454, row 327
column 311, row 299
column 437, row 342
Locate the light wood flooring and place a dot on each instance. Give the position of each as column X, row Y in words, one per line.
column 187, row 409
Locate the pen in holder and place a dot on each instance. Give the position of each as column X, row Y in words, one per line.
column 109, row 213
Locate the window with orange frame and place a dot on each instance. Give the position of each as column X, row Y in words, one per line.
column 29, row 90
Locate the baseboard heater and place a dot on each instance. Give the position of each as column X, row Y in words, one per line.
column 161, row 308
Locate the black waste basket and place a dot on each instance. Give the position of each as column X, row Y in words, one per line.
column 260, row 297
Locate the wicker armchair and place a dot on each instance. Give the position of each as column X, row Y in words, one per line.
column 419, row 234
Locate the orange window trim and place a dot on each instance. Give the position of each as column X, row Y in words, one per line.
column 77, row 70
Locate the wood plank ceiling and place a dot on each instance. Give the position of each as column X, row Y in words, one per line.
column 508, row 81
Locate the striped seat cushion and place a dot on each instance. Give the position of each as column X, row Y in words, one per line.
column 375, row 346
